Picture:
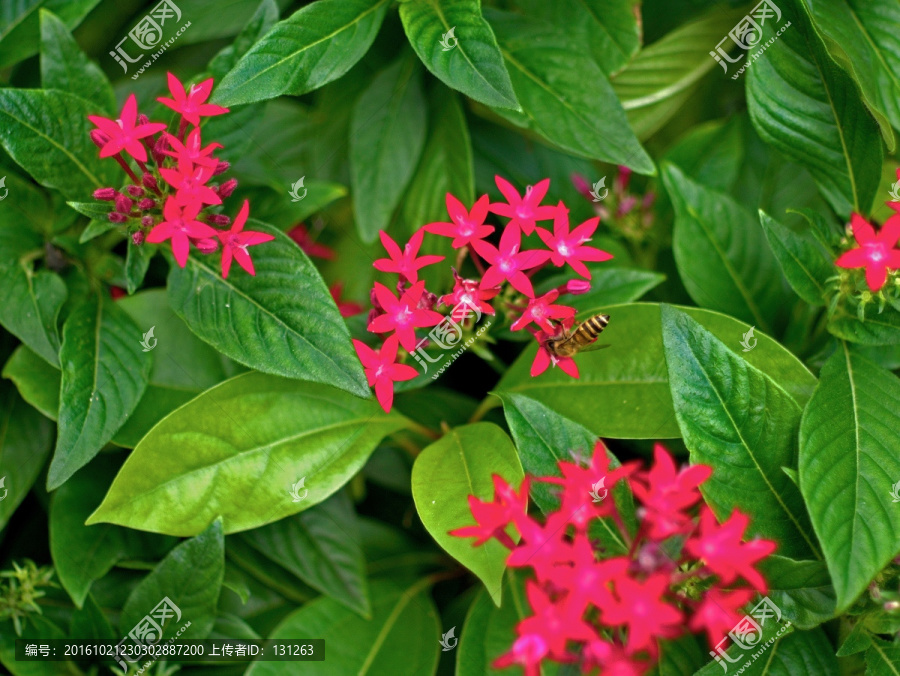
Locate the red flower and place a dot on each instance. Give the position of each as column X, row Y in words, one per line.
column 124, row 134
column 404, row 315
column 665, row 493
column 190, row 184
column 556, row 623
column 718, row 612
column 544, row 358
column 405, row 263
column 191, row 105
column 191, row 151
column 347, row 308
column 235, row 242
column 523, row 211
column 527, row 652
column 586, row 580
column 313, row 249
column 492, row 518
column 641, row 607
column 467, row 295
column 722, row 550
column 540, row 311
column 467, row 226
column 567, row 246
column 875, row 252
column 180, row 225
column 382, row 371
column 508, row 262
column 612, row 660
column 543, row 547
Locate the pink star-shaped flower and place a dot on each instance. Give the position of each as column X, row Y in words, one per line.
column 541, row 311
column 124, row 134
column 875, row 252
column 567, row 247
column 382, row 371
column 544, row 358
column 556, row 623
column 718, row 612
column 190, row 183
column 523, row 211
column 508, row 263
column 403, row 315
column 235, row 242
column 405, row 263
column 467, row 226
column 492, row 518
column 467, row 297
column 527, row 651
column 191, row 105
column 191, row 151
column 180, row 225
column 640, row 606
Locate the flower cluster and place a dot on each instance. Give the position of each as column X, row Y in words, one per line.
column 877, row 252
column 501, row 270
column 173, row 199
column 624, row 211
column 606, row 609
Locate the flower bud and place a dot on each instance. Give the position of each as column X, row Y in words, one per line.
column 218, row 219
column 137, row 237
column 221, row 167
column 147, row 222
column 227, row 188
column 207, row 245
column 626, row 205
column 149, row 181
column 105, row 194
column 582, row 186
column 146, row 203
column 134, row 190
column 622, row 178
column 99, row 138
column 123, row 204
column 576, row 286
column 143, row 119
column 116, row 217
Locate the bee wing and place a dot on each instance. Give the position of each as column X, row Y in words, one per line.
column 595, row 346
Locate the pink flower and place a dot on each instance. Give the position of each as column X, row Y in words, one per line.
column 405, row 263
column 527, row 652
column 467, row 227
column 180, row 225
column 124, row 134
column 523, row 211
column 544, row 357
column 403, row 315
column 875, row 252
column 382, row 371
column 508, row 263
column 555, row 623
column 493, row 517
column 567, row 247
column 191, row 105
column 311, row 248
column 718, row 612
column 190, row 183
column 191, row 151
column 640, row 606
column 235, row 242
column 541, row 311
column 466, row 296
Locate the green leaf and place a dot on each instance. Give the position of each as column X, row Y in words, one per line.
column 877, row 328
column 802, row 589
column 281, row 321
column 803, row 262
column 401, row 638
column 64, row 66
column 20, row 29
column 802, row 104
column 190, row 577
column 743, row 424
column 137, row 262
column 680, row 656
column 37, row 629
column 792, row 653
column 883, row 658
column 712, row 153
column 445, row 473
column 25, row 441
column 83, row 554
column 848, row 464
column 96, row 211
column 89, row 622
column 96, row 228
column 315, row 45
column 259, row 25
column 321, row 547
column 630, row 377
column 549, row 73
column 469, row 60
column 104, row 375
column 387, row 134
column 255, row 435
column 609, row 286
column 36, row 380
column 721, row 253
column 47, row 133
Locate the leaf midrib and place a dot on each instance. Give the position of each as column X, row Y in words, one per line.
column 857, row 461
column 402, row 602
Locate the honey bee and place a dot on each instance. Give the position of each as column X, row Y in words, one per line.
column 576, row 339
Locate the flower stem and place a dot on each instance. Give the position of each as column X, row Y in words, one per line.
column 124, row 165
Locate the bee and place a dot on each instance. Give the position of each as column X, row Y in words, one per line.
column 571, row 342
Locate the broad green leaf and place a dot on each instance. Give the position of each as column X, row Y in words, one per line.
column 315, row 45
column 785, row 652
column 847, row 466
column 721, row 252
column 468, row 59
column 803, row 262
column 549, row 73
column 156, row 404
column 883, row 658
column 255, row 435
column 64, row 66
column 680, row 656
column 630, row 376
column 210, row 21
column 259, row 25
column 877, row 328
column 47, row 133
column 401, row 638
column 83, row 554
column 802, row 589
column 137, row 262
column 458, row 465
column 711, row 153
column 802, row 104
column 20, row 27
column 321, row 547
column 104, row 375
column 25, row 441
column 742, row 423
column 387, row 134
column 36, row 380
column 661, row 78
column 281, row 321
column 859, row 37
column 96, row 228
column 190, row 577
column 609, row 31
column 89, row 622
column 98, row 211
column 37, row 629
column 609, row 286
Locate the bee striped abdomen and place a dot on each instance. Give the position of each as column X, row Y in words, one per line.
column 570, row 343
column 591, row 328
